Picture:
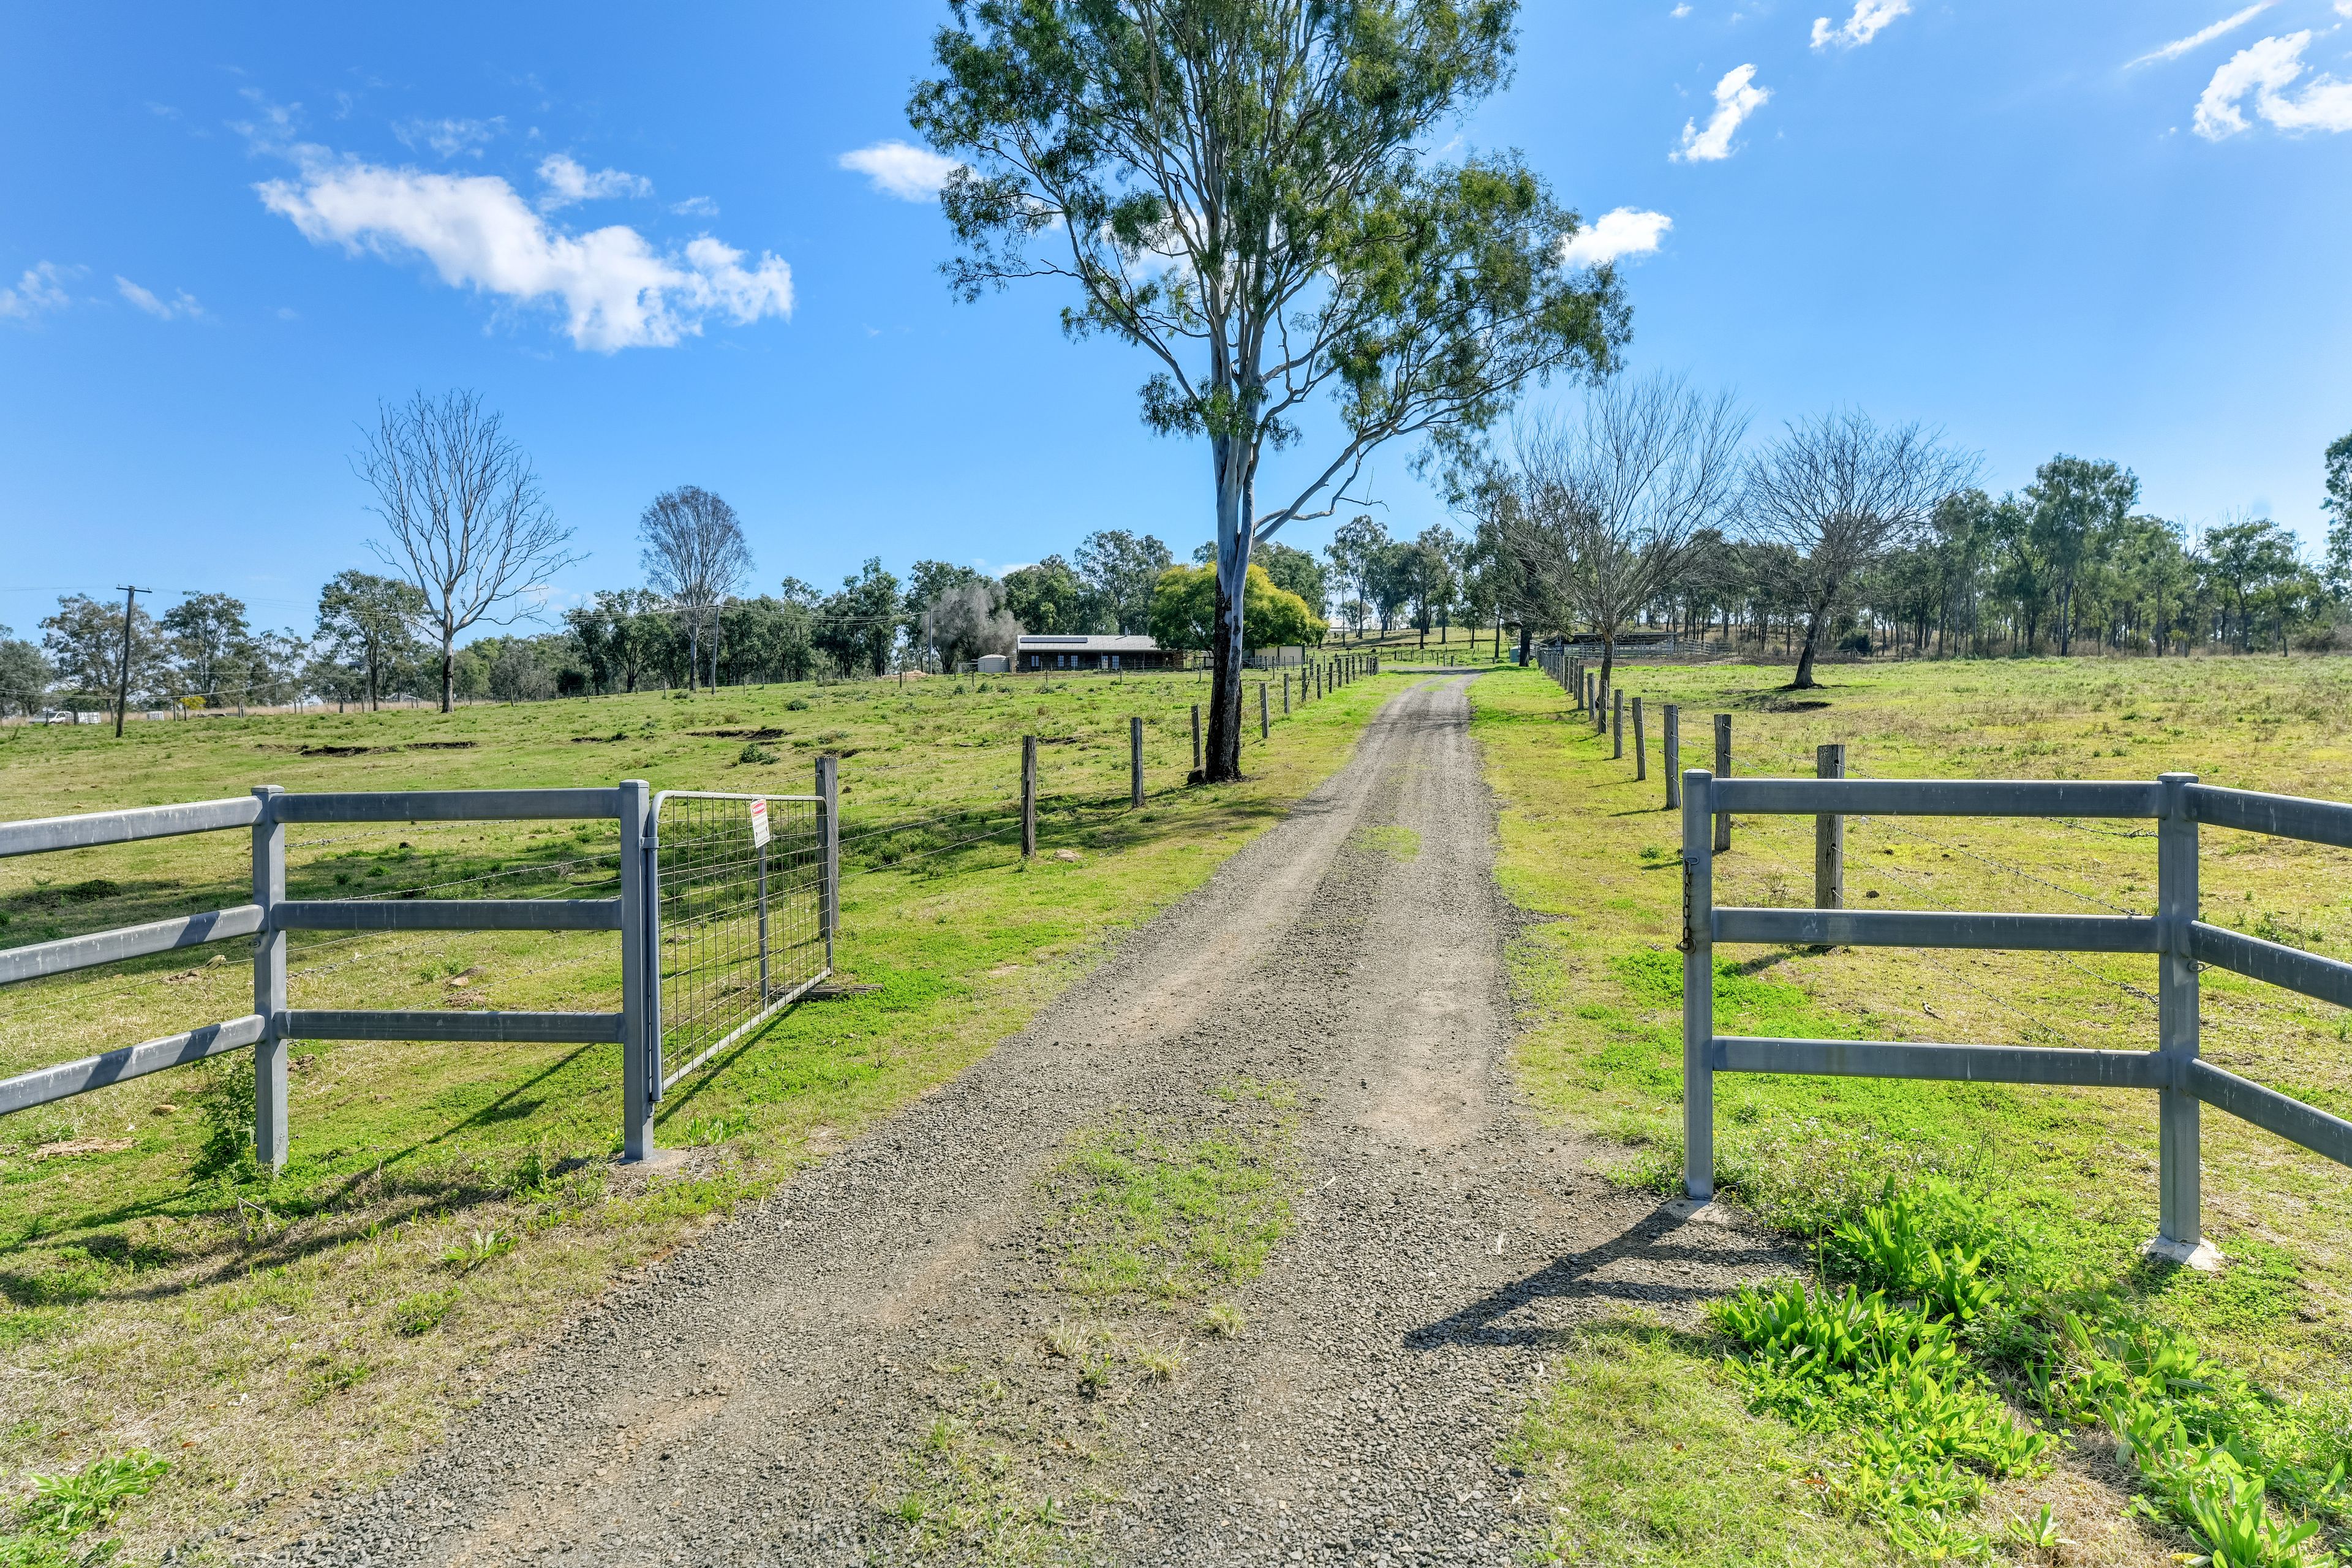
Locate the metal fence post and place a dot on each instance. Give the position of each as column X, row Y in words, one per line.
column 1617, row 723
column 828, row 788
column 1828, row 833
column 1670, row 742
column 270, row 1130
column 1641, row 750
column 640, row 973
column 765, row 990
column 1028, row 797
column 1722, row 771
column 2180, row 1227
column 1134, row 762
column 1698, row 988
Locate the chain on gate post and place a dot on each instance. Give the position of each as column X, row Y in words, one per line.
column 640, row 972
column 828, row 790
column 1828, row 833
column 2180, row 1222
column 269, row 1131
column 1698, row 988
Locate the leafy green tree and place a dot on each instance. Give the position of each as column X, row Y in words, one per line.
column 1296, row 571
column 2246, row 559
column 859, row 624
column 369, row 623
column 766, row 638
column 210, row 644
column 25, row 675
column 2074, row 500
column 928, row 582
column 1120, row 569
column 84, row 642
column 1241, row 189
column 1184, row 610
column 1050, row 599
column 2339, row 533
column 1355, row 554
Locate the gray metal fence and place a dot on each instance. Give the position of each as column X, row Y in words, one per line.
column 2176, row 935
column 811, row 898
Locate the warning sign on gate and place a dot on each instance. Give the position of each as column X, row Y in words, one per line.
column 759, row 825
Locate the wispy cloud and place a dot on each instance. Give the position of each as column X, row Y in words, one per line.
column 182, row 307
column 450, row 138
column 898, row 169
column 1869, row 19
column 568, row 180
column 38, row 291
column 2204, row 36
column 2267, row 69
column 1736, row 97
column 695, row 206
column 1628, row 231
column 613, row 288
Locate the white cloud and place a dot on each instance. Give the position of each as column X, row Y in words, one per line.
column 1869, row 19
column 1736, row 97
column 2267, row 69
column 1680, row 11
column 2204, row 36
column 696, row 206
column 1625, row 232
column 451, row 137
column 40, row 290
column 896, row 169
column 177, row 309
column 616, row 291
column 568, row 182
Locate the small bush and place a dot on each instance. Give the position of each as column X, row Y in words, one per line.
column 422, row 1313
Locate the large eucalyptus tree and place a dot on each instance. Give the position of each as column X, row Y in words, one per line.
column 1244, row 189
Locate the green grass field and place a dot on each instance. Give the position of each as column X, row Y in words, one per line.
column 1593, row 855
column 446, row 1204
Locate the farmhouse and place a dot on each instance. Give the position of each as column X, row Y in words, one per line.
column 1038, row 651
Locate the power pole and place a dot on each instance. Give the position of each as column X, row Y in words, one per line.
column 122, row 675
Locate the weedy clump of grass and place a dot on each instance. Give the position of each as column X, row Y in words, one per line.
column 1933, row 1299
column 52, row 1528
column 422, row 1313
column 480, row 1247
column 753, row 751
column 1168, row 1219
column 1222, row 1320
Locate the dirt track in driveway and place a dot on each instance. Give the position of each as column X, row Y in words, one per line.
column 779, row 1391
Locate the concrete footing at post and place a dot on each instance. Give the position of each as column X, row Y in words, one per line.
column 2201, row 1255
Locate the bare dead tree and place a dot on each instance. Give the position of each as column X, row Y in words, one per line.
column 469, row 526
column 1839, row 493
column 1602, row 515
column 696, row 554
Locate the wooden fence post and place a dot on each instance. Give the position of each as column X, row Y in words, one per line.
column 1134, row 762
column 1641, row 751
column 1828, row 833
column 1264, row 724
column 1722, row 771
column 1196, row 739
column 1617, row 747
column 1670, row 744
column 1028, row 797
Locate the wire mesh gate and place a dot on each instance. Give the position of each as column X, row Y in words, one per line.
column 744, row 890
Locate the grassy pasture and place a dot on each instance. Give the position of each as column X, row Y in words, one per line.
column 1592, row 856
column 445, row 1204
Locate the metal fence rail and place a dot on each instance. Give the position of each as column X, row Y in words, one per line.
column 722, row 886
column 2175, row 934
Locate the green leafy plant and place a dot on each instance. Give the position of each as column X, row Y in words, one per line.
column 64, row 1509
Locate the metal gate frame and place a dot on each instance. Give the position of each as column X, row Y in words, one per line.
column 2177, row 803
column 658, row 1078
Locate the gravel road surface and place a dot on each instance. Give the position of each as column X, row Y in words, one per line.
column 759, row 1397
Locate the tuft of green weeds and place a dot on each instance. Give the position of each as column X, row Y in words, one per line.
column 50, row 1527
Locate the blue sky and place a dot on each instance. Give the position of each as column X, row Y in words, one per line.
column 225, row 233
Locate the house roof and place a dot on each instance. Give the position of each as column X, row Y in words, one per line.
column 1089, row 643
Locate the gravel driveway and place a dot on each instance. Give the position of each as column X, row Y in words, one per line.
column 756, row 1398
